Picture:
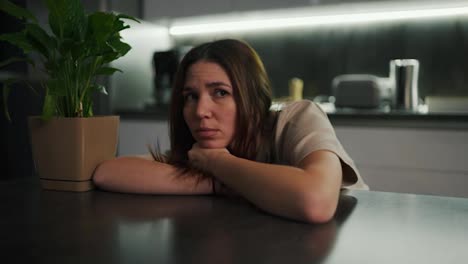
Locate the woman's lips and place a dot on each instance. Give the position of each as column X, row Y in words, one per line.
column 206, row 133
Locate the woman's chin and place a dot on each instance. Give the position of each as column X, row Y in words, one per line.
column 211, row 144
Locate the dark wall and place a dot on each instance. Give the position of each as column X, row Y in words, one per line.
column 21, row 103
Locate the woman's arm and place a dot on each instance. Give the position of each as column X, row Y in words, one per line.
column 308, row 193
column 142, row 175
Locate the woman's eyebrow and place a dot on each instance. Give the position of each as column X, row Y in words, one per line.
column 213, row 84
column 187, row 89
column 217, row 84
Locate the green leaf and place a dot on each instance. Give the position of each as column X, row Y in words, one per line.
column 16, row 11
column 87, row 104
column 72, row 48
column 56, row 88
column 56, row 21
column 100, row 88
column 119, row 16
column 120, row 47
column 101, row 25
column 78, row 52
column 50, row 67
column 119, row 25
column 107, row 71
column 39, row 39
column 18, row 39
column 67, row 18
column 88, row 111
column 48, row 109
column 111, row 56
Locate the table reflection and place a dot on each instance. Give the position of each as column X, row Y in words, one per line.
column 203, row 229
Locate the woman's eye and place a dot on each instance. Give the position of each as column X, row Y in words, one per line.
column 221, row 93
column 190, row 97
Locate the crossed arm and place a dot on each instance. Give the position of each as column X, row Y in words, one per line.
column 308, row 192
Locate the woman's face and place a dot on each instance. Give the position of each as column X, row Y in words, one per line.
column 209, row 105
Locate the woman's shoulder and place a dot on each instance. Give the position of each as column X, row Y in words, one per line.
column 296, row 107
column 302, row 110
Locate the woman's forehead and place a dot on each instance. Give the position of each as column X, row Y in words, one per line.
column 206, row 70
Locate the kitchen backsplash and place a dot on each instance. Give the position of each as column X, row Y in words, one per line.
column 317, row 55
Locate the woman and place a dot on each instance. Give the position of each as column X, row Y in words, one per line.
column 225, row 139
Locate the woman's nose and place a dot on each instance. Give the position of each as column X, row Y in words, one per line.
column 204, row 107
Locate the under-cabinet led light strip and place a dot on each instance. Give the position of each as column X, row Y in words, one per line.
column 245, row 23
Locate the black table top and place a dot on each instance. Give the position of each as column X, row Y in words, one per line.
column 39, row 226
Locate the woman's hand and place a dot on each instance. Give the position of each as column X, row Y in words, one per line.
column 202, row 158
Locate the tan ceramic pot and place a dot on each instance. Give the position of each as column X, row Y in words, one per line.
column 66, row 151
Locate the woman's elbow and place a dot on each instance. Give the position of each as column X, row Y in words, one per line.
column 101, row 173
column 318, row 208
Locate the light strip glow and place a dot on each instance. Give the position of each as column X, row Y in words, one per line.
column 249, row 24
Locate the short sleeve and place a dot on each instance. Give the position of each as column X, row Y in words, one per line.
column 302, row 128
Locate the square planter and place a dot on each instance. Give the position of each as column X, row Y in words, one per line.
column 66, row 151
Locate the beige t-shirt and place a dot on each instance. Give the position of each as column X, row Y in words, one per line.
column 301, row 128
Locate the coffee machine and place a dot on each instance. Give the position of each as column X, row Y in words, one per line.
column 165, row 65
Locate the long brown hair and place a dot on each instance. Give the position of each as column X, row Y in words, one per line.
column 252, row 94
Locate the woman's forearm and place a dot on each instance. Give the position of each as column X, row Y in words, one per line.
column 138, row 175
column 283, row 190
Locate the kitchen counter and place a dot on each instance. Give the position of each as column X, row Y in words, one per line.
column 347, row 117
column 400, row 119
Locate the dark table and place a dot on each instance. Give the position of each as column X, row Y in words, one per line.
column 39, row 226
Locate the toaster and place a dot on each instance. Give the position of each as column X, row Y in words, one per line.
column 361, row 91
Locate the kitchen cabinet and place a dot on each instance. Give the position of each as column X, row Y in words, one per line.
column 136, row 135
column 248, row 5
column 407, row 160
column 160, row 9
column 424, row 161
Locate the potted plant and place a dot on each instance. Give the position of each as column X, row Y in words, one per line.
column 68, row 142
